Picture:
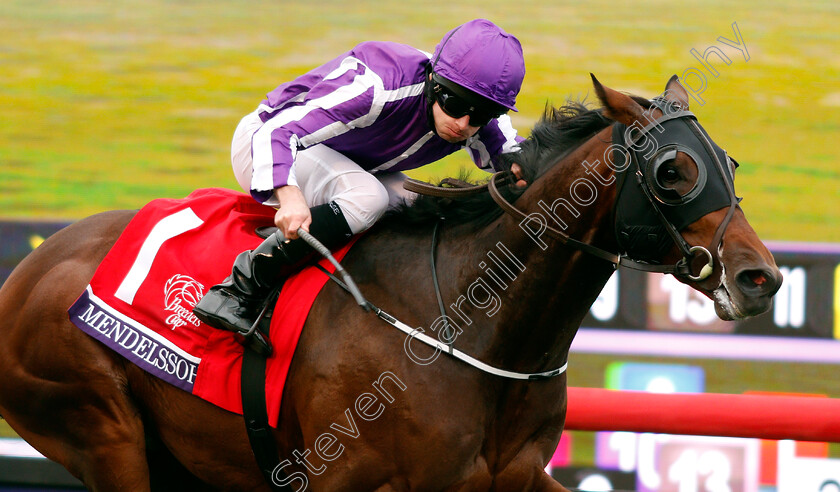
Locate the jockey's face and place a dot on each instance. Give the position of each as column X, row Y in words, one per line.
column 453, row 130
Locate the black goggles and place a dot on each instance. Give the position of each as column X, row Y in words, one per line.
column 458, row 106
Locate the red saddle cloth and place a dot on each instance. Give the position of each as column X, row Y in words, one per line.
column 139, row 302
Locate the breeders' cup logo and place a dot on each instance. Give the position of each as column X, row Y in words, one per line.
column 180, row 295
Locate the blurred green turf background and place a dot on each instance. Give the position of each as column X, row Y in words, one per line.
column 110, row 104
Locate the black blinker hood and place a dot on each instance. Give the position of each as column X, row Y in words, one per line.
column 639, row 229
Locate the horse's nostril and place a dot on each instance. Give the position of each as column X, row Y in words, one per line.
column 757, row 277
column 757, row 282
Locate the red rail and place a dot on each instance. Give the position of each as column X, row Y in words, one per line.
column 709, row 414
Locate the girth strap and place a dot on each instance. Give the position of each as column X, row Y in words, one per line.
column 255, row 415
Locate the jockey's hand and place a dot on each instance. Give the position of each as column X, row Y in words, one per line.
column 517, row 171
column 293, row 212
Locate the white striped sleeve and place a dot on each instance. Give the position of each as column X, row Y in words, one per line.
column 344, row 99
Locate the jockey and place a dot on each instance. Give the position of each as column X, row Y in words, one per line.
column 327, row 149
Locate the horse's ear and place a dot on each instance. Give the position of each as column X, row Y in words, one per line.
column 676, row 93
column 617, row 106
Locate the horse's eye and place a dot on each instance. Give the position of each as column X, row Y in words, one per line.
column 667, row 174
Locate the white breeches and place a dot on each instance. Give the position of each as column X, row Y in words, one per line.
column 324, row 175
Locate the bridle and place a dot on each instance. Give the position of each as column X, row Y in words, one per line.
column 679, row 268
column 640, row 164
column 714, row 188
column 657, row 196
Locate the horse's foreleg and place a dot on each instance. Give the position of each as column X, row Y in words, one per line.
column 538, row 481
column 527, row 473
column 546, row 483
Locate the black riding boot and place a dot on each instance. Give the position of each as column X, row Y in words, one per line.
column 235, row 303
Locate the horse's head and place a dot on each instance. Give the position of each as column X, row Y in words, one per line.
column 676, row 202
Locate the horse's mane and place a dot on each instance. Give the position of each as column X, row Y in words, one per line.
column 558, row 132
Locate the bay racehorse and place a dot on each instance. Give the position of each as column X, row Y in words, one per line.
column 636, row 176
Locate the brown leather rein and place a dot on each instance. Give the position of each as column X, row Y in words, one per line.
column 460, row 189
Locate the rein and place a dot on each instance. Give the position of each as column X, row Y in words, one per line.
column 680, row 268
column 459, row 189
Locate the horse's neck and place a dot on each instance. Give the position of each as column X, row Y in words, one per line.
column 532, row 299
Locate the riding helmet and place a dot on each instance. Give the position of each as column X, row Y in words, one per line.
column 483, row 58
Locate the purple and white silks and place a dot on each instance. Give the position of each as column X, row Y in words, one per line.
column 368, row 104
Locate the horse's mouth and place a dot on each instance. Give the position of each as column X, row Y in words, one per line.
column 725, row 306
column 739, row 306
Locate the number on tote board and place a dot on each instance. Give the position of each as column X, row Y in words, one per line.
column 688, row 469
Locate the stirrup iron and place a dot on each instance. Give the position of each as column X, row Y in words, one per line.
column 254, row 338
